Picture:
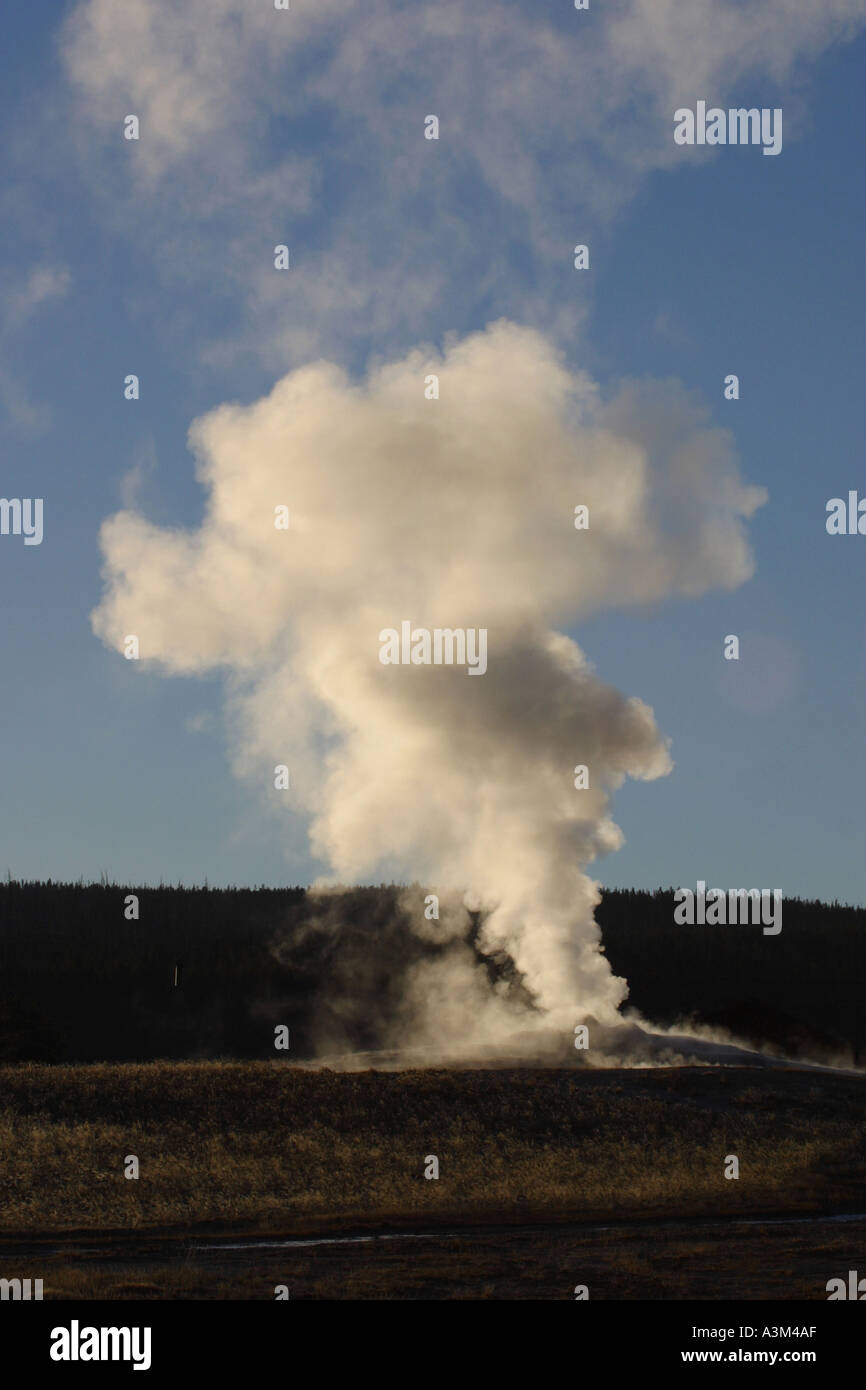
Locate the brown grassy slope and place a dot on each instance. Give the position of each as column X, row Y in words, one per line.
column 266, row 1146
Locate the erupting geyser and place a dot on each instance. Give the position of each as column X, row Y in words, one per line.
column 459, row 512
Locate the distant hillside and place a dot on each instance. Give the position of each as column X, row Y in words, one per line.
column 79, row 982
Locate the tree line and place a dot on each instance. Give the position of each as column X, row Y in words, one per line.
column 209, row 972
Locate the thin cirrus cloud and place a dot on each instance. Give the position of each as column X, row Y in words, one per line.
column 305, row 126
column 21, row 304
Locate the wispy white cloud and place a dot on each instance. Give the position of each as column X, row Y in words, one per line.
column 42, row 284
column 20, row 304
column 305, row 126
column 667, row 327
column 141, row 472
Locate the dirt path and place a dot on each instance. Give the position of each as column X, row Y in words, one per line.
column 780, row 1257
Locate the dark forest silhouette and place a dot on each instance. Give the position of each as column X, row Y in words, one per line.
column 209, row 972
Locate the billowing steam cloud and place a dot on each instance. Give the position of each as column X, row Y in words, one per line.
column 456, row 512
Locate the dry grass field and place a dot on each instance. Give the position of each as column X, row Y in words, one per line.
column 525, row 1156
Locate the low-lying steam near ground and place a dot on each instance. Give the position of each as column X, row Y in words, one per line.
column 409, row 991
column 454, row 512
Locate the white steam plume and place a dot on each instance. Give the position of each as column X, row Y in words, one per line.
column 456, row 512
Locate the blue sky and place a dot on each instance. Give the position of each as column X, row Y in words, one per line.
column 727, row 262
